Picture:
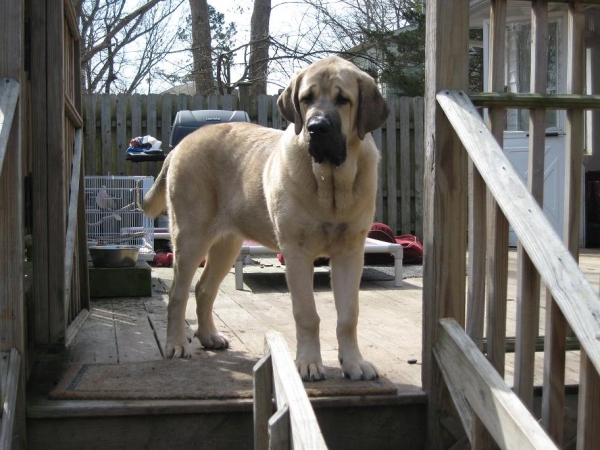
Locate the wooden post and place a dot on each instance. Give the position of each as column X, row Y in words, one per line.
column 56, row 168
column 588, row 432
column 497, row 246
column 445, row 202
column 497, row 225
column 12, row 295
column 528, row 279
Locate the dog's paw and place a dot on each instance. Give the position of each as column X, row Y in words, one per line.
column 311, row 371
column 359, row 370
column 213, row 341
column 178, row 350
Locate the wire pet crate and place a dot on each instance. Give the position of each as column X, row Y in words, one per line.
column 113, row 209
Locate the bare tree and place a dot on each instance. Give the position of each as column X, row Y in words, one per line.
column 120, row 45
column 201, row 47
column 259, row 46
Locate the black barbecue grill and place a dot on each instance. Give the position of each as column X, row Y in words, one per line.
column 186, row 122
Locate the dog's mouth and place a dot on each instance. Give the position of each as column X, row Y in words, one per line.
column 326, row 142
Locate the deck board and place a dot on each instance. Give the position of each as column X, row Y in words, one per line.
column 129, row 330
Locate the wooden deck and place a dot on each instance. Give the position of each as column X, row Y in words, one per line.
column 132, row 330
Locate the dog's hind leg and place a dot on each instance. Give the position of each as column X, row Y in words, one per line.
column 221, row 257
column 188, row 252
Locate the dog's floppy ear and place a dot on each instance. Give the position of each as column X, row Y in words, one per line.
column 289, row 104
column 372, row 108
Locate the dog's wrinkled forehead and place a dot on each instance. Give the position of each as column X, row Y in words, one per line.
column 328, row 81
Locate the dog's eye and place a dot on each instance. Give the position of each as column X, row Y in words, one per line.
column 307, row 99
column 341, row 101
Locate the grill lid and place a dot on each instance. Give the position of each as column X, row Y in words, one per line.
column 187, row 121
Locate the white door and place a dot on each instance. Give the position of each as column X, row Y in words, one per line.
column 516, row 147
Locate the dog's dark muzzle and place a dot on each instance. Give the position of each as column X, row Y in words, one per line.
column 326, row 140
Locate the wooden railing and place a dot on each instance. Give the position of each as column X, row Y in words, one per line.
column 475, row 381
column 10, row 362
column 10, row 365
column 110, row 121
column 9, row 96
column 294, row 425
column 477, row 389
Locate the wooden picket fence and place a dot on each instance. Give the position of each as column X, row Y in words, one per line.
column 110, row 121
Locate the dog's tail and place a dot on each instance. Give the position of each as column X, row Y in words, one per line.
column 155, row 201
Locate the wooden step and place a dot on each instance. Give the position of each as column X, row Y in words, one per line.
column 394, row 421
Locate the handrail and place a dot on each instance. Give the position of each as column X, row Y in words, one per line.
column 9, row 97
column 9, row 379
column 294, row 425
column 470, row 376
column 572, row 292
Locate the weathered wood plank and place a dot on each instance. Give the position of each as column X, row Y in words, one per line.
column 276, row 121
column 227, row 102
column 106, row 135
column 58, row 168
column 198, row 101
column 279, row 430
column 152, row 102
column 122, row 138
column 9, row 97
column 166, row 118
column 40, row 173
column 182, row 102
column 95, row 342
column 70, row 241
column 445, row 210
column 213, row 101
column 419, row 156
column 89, row 128
column 501, row 411
column 391, row 165
column 497, row 258
column 262, row 374
column 405, row 166
column 379, row 199
column 526, row 101
column 528, row 279
column 134, row 335
column 9, row 399
column 465, row 413
column 262, row 110
column 573, row 293
column 289, row 391
column 477, row 249
column 588, row 432
column 136, row 128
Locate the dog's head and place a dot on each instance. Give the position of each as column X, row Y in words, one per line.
column 332, row 100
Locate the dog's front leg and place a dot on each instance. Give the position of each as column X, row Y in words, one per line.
column 299, row 273
column 346, row 271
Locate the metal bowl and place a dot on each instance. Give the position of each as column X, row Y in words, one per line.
column 114, row 255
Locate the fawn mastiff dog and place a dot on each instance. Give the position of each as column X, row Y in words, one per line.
column 308, row 191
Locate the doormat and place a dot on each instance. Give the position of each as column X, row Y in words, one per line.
column 200, row 378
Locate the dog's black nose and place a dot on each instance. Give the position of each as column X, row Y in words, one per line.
column 319, row 125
